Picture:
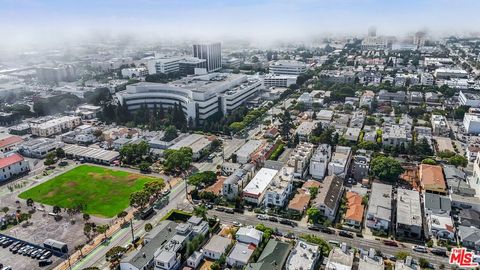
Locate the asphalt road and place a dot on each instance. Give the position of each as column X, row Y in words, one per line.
column 124, row 236
column 354, row 242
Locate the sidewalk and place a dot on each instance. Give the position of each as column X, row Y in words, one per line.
column 99, row 239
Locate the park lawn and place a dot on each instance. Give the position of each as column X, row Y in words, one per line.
column 101, row 191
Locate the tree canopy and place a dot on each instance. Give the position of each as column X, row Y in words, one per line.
column 133, row 153
column 202, row 179
column 386, row 168
column 178, row 159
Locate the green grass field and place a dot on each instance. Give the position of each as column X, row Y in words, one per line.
column 102, row 192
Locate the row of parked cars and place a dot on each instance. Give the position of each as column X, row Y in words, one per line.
column 279, row 220
column 26, row 249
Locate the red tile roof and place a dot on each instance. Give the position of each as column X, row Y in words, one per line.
column 9, row 141
column 7, row 161
column 355, row 208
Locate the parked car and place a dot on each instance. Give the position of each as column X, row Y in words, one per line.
column 327, row 230
column 273, row 219
column 390, row 243
column 421, row 249
column 345, row 234
column 229, row 211
column 333, row 242
column 220, row 209
column 262, row 217
column 44, row 263
column 439, row 252
column 313, row 228
column 46, row 255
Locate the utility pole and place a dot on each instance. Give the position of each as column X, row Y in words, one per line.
column 131, row 228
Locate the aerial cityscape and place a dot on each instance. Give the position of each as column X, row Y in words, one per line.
column 255, row 135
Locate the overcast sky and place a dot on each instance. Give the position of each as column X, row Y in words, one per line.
column 36, row 22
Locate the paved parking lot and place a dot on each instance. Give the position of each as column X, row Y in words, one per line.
column 20, row 262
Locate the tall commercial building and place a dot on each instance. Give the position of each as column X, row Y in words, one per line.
column 56, row 74
column 212, row 52
column 372, row 31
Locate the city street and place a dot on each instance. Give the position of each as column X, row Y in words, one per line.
column 301, row 229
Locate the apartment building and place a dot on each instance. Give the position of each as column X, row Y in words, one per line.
column 319, row 161
column 55, row 126
column 329, row 196
column 409, row 214
column 340, row 161
column 300, row 158
column 278, row 192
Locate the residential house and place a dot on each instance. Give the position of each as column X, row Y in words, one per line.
column 303, row 256
column 395, row 135
column 240, row 255
column 457, row 180
column 304, row 130
column 439, row 125
column 216, row 247
column 273, row 256
column 299, row 202
column 367, row 98
column 249, row 235
column 340, row 258
column 370, row 261
column 407, row 264
column 142, row 258
column 409, row 214
column 329, row 196
column 355, row 210
column 379, row 213
column 469, row 237
column 352, row 134
column 432, row 179
column 195, row 259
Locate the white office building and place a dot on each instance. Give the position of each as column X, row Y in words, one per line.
column 164, row 65
column 199, row 96
column 278, row 80
column 287, row 67
column 471, row 123
column 212, row 52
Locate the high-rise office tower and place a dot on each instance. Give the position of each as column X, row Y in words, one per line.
column 372, row 31
column 212, row 52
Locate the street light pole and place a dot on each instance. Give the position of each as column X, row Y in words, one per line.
column 131, row 229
